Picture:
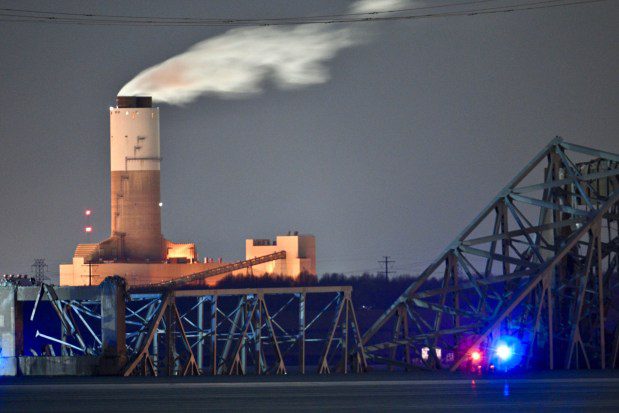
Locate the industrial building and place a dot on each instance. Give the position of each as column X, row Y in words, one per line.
column 302, row 247
column 136, row 249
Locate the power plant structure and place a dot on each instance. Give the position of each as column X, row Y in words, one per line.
column 531, row 282
column 136, row 248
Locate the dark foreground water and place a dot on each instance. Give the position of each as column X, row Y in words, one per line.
column 371, row 392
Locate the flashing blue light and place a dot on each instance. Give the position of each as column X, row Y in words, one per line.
column 507, row 352
column 504, row 352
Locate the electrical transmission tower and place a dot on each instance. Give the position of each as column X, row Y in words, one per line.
column 39, row 269
column 386, row 261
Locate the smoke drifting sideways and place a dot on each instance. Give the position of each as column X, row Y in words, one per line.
column 237, row 63
column 373, row 6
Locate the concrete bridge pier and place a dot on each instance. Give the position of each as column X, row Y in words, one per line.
column 113, row 328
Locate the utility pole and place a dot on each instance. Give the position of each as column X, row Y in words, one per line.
column 386, row 261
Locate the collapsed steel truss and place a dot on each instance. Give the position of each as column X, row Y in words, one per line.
column 192, row 332
column 538, row 263
column 78, row 322
column 226, row 338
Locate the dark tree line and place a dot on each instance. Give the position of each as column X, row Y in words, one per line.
column 369, row 291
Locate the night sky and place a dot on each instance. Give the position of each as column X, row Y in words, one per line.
column 412, row 131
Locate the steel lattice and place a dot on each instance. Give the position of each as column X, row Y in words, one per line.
column 539, row 263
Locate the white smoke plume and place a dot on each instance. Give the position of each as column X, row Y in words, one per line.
column 369, row 6
column 238, row 62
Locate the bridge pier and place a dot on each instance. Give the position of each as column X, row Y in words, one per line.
column 11, row 331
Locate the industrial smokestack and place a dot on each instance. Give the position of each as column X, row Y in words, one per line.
column 135, row 177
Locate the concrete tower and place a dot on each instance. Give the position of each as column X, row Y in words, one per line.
column 135, row 177
column 136, row 250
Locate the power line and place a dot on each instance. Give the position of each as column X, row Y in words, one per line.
column 37, row 16
column 323, row 16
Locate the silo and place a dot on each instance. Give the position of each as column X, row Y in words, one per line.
column 135, row 178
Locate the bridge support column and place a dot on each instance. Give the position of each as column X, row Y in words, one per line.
column 114, row 351
column 11, row 331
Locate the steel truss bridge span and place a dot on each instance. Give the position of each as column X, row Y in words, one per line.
column 110, row 330
column 539, row 265
column 253, row 328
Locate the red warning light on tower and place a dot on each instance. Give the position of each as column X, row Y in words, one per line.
column 88, row 212
column 88, row 229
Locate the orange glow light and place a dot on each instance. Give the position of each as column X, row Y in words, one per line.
column 476, row 355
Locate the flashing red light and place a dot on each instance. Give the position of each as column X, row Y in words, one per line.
column 476, row 356
column 88, row 229
column 88, row 212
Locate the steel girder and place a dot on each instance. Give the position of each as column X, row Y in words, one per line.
column 79, row 320
column 223, row 332
column 207, row 331
column 145, row 360
column 539, row 263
